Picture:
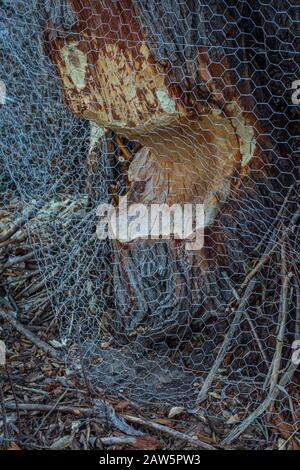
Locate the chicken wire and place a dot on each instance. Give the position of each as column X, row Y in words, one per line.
column 191, row 332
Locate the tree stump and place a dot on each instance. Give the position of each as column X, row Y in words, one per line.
column 202, row 90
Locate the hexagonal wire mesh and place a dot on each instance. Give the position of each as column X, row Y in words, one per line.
column 165, row 102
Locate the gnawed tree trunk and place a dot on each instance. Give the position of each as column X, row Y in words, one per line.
column 190, row 86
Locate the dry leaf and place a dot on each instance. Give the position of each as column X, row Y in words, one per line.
column 233, row 419
column 285, row 429
column 175, row 411
column 122, row 405
column 164, row 421
column 14, row 446
column 147, row 443
column 62, row 443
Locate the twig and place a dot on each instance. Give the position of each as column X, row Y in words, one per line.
column 297, row 287
column 50, row 411
column 39, row 312
column 283, row 318
column 77, row 410
column 84, row 373
column 132, row 419
column 258, row 267
column 12, row 241
column 255, row 335
column 32, row 288
column 10, row 317
column 22, row 278
column 11, row 299
column 226, row 343
column 15, row 397
column 18, row 225
column 272, row 245
column 18, row 260
column 24, row 219
column 278, row 217
column 171, row 432
column 35, row 286
column 287, row 377
column 116, row 440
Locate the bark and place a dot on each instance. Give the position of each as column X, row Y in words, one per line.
column 202, row 89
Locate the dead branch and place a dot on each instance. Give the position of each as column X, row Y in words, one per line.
column 171, row 432
column 40, row 344
column 286, row 378
column 18, row 260
column 271, row 247
column 226, row 343
column 21, row 222
column 132, row 419
column 250, row 322
column 116, row 440
column 76, row 410
column 283, row 317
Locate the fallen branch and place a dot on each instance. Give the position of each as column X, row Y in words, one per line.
column 40, row 344
column 283, row 317
column 50, row 412
column 106, row 412
column 115, row 440
column 169, row 431
column 272, row 245
column 89, row 411
column 76, row 410
column 18, row 225
column 24, row 219
column 22, row 278
column 226, row 343
column 250, row 322
column 272, row 228
column 286, row 378
column 18, row 260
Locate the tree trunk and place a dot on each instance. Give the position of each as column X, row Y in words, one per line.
column 199, row 95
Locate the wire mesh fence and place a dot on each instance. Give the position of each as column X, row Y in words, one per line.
column 167, row 102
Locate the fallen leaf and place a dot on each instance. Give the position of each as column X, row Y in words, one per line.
column 58, row 344
column 164, row 421
column 175, row 411
column 233, row 419
column 14, row 446
column 147, row 443
column 285, row 429
column 122, row 405
column 62, row 443
column 281, row 444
